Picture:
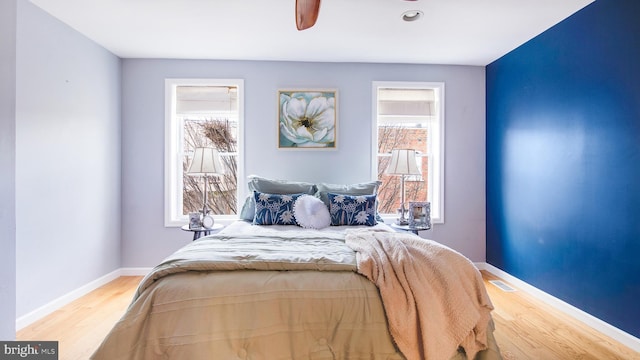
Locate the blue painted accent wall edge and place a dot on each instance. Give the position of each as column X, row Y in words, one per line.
column 563, row 162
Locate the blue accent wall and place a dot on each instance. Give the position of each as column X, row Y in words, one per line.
column 563, row 162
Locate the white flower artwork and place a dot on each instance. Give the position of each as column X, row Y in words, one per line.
column 307, row 119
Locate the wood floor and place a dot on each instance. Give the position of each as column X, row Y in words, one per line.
column 80, row 326
column 525, row 327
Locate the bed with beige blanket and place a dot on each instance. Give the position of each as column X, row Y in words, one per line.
column 283, row 292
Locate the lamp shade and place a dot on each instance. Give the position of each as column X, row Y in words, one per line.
column 403, row 162
column 206, row 161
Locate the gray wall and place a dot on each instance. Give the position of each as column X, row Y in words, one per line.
column 73, row 143
column 8, row 16
column 145, row 239
column 67, row 159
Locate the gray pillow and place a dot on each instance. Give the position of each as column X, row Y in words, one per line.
column 366, row 188
column 270, row 186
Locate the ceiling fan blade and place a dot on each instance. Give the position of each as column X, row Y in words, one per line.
column 306, row 13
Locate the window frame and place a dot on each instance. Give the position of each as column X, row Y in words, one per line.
column 173, row 171
column 436, row 154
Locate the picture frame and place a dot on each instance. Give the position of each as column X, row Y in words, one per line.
column 195, row 221
column 420, row 215
column 307, row 119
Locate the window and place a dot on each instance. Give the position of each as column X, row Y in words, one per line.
column 202, row 113
column 410, row 115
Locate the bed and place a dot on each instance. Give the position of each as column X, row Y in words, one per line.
column 277, row 291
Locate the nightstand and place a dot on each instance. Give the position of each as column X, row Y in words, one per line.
column 413, row 229
column 201, row 231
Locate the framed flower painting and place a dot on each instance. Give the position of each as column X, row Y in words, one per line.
column 307, row 119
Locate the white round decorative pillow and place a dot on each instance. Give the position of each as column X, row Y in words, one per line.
column 311, row 212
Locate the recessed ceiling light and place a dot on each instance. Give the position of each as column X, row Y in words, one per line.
column 411, row 15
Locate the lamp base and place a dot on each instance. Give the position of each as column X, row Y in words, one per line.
column 402, row 220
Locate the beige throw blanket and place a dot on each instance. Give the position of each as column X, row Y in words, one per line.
column 434, row 297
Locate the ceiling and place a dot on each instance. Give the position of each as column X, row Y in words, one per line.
column 464, row 32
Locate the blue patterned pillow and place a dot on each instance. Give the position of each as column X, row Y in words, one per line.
column 352, row 210
column 274, row 209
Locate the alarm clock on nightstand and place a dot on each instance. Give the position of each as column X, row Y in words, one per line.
column 207, row 221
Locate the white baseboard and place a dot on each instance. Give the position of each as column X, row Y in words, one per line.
column 46, row 309
column 588, row 319
column 56, row 304
column 134, row 271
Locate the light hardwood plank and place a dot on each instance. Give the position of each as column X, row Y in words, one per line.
column 80, row 326
column 526, row 328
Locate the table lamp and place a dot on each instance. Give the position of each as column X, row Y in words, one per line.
column 403, row 163
column 205, row 162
